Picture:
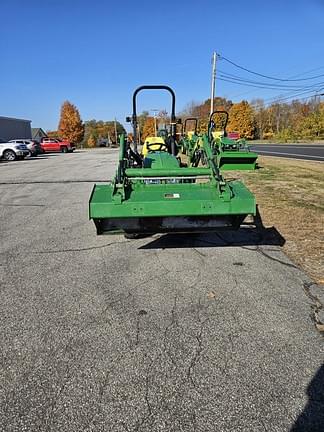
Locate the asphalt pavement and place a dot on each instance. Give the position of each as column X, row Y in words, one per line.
column 198, row 333
column 313, row 152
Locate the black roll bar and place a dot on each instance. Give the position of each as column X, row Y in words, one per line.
column 173, row 117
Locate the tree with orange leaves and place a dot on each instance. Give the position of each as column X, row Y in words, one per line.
column 71, row 127
column 148, row 128
column 241, row 120
column 91, row 141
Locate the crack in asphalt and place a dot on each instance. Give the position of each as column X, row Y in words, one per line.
column 195, row 358
column 149, row 415
column 79, row 249
column 167, row 328
column 103, row 385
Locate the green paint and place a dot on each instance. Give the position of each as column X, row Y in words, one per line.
column 164, row 189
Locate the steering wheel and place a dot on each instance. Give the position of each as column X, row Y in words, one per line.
column 158, row 147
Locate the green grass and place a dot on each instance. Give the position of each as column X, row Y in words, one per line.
column 290, row 196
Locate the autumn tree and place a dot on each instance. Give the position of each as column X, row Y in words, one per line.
column 148, row 128
column 70, row 126
column 261, row 117
column 141, row 118
column 313, row 125
column 91, row 141
column 130, row 137
column 241, row 120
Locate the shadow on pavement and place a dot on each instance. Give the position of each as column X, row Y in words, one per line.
column 250, row 234
column 312, row 417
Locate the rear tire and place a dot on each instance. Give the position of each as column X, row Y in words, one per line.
column 64, row 149
column 9, row 155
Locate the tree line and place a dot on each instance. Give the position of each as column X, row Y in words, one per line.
column 252, row 120
column 97, row 132
column 257, row 120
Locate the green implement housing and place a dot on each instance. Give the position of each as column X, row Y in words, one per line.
column 230, row 154
column 158, row 194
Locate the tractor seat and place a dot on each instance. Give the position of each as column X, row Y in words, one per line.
column 218, row 134
column 152, row 144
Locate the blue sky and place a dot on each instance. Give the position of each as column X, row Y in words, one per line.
column 94, row 53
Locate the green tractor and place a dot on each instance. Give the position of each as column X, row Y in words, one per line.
column 230, row 154
column 156, row 193
column 189, row 137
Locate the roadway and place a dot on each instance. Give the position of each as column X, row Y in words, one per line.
column 187, row 333
column 312, row 152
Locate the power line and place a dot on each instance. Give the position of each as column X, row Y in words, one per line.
column 267, row 76
column 270, row 85
column 286, row 98
column 293, row 76
column 307, row 72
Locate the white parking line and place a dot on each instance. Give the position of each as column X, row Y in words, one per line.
column 288, row 146
column 291, row 154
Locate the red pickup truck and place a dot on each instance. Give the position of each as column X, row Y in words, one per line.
column 56, row 145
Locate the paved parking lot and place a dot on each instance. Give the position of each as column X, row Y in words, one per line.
column 167, row 333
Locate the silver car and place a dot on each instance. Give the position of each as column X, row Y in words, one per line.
column 32, row 145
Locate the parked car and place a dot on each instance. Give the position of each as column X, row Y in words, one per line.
column 33, row 146
column 11, row 151
column 56, row 145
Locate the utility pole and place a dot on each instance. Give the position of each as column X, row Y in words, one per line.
column 116, row 137
column 155, row 111
column 213, row 81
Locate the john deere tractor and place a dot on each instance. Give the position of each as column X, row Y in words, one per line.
column 189, row 137
column 230, row 154
column 156, row 193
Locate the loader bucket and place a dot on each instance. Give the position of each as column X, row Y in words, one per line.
column 237, row 160
column 231, row 154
